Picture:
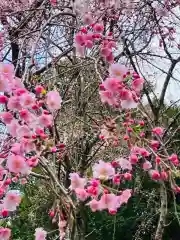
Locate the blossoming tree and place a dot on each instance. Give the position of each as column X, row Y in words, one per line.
column 73, row 75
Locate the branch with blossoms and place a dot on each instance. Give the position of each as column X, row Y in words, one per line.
column 65, row 137
column 29, row 120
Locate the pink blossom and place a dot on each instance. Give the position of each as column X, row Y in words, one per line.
column 17, row 149
column 39, row 131
column 84, row 30
column 129, row 104
column 25, row 115
column 89, row 44
column 117, row 70
column 158, row 131
column 107, row 97
column 135, row 150
column 5, row 233
column 155, row 175
column 95, row 182
column 53, row 2
column 124, row 164
column 23, row 131
column 39, row 89
column 77, row 181
column 27, row 100
column 144, row 152
column 137, row 84
column 94, row 205
column 33, row 161
column 13, row 127
column 3, row 99
column 97, row 36
column 23, row 181
column 17, row 164
column 98, row 28
column 93, row 191
column 53, row 100
column 80, row 39
column 112, row 84
column 164, row 175
column 127, row 98
column 141, row 123
column 125, row 94
column 81, row 194
column 4, row 212
column 6, row 117
column 155, row 144
column 40, row 234
column 125, row 195
column 147, row 165
column 109, row 201
column 116, row 179
column 15, row 179
column 17, row 83
column 133, row 159
column 45, row 120
column 12, row 200
column 89, row 36
column 105, row 51
column 6, row 71
column 174, row 159
column 127, row 176
column 158, row 160
column 28, row 145
column 142, row 134
column 110, row 59
column 103, row 170
column 14, row 103
column 126, row 137
column 87, row 19
column 53, row 149
column 8, row 181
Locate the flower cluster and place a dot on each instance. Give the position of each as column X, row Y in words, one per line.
column 98, row 194
column 121, row 89
column 93, row 34
column 27, row 117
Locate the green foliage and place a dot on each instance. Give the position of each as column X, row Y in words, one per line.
column 32, row 213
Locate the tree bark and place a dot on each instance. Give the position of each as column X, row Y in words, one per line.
column 163, row 213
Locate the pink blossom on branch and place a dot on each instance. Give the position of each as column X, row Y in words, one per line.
column 6, row 117
column 40, row 234
column 6, row 71
column 77, row 181
column 124, row 164
column 110, row 202
column 94, row 205
column 81, row 194
column 118, row 71
column 125, row 195
column 12, row 200
column 53, row 100
column 103, row 170
column 158, row 131
column 5, row 233
column 17, row 164
column 53, row 2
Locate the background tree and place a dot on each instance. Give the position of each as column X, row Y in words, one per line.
column 69, row 47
